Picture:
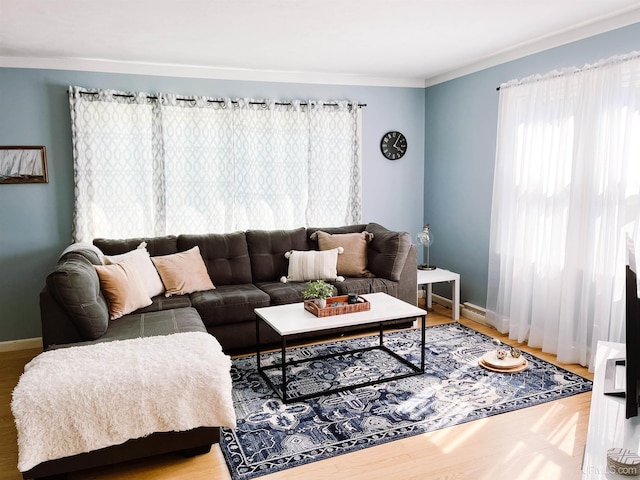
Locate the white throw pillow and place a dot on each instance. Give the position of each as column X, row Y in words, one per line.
column 141, row 260
column 312, row 265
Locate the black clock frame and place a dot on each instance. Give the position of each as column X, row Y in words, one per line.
column 393, row 145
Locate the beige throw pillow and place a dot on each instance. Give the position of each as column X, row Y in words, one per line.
column 310, row 265
column 183, row 272
column 141, row 260
column 123, row 287
column 353, row 262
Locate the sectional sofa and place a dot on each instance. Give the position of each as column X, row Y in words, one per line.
column 241, row 270
column 248, row 269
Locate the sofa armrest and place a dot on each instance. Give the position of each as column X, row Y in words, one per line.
column 408, row 283
column 57, row 326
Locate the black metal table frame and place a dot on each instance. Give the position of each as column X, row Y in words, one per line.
column 416, row 369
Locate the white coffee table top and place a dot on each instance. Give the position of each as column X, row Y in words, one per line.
column 292, row 318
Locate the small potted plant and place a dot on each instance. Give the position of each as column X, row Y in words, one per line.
column 318, row 291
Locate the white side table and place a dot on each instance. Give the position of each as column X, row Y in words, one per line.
column 429, row 277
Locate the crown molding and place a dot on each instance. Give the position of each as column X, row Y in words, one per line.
column 588, row 29
column 195, row 71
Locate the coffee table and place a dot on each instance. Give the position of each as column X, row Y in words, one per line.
column 292, row 321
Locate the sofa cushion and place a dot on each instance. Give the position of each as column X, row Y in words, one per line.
column 225, row 255
column 362, row 286
column 283, row 293
column 229, row 303
column 150, row 324
column 183, row 272
column 139, row 258
column 267, row 249
column 160, row 302
column 353, row 260
column 75, row 285
column 122, row 285
column 155, row 245
column 388, row 252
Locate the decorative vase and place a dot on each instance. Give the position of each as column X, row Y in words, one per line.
column 321, row 302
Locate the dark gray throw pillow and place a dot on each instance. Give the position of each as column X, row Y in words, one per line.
column 387, row 252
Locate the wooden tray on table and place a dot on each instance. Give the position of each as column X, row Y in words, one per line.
column 337, row 306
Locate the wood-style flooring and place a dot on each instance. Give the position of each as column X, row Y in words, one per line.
column 541, row 442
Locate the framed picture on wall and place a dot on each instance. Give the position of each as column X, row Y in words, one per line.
column 23, row 165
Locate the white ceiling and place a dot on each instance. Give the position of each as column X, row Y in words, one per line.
column 402, row 42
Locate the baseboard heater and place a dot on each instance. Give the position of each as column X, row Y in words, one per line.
column 467, row 310
column 474, row 312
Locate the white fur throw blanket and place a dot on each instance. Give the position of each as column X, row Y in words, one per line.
column 84, row 398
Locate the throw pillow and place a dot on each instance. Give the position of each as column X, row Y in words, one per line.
column 353, row 262
column 123, row 287
column 388, row 252
column 141, row 260
column 183, row 272
column 310, row 265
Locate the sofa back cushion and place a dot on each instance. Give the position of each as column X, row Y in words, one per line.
column 267, row 249
column 388, row 252
column 155, row 245
column 225, row 255
column 75, row 285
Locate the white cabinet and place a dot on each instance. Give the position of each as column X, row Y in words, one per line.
column 608, row 427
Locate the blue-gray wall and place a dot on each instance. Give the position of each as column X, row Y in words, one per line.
column 35, row 219
column 446, row 178
column 460, row 136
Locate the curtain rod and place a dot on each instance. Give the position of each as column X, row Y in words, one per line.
column 150, row 97
column 573, row 70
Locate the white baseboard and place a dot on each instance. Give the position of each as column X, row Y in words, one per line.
column 24, row 344
column 440, row 300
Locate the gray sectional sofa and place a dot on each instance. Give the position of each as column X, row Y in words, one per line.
column 245, row 267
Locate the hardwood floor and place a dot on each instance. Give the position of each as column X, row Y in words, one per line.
column 541, row 442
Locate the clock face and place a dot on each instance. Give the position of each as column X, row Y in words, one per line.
column 393, row 145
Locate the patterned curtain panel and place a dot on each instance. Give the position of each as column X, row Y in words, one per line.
column 164, row 164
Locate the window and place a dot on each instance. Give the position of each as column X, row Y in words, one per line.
column 147, row 165
column 566, row 198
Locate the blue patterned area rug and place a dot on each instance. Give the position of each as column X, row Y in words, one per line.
column 272, row 436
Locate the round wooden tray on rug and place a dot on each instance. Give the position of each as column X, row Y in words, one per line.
column 508, row 365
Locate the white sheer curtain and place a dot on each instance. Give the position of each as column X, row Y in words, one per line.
column 566, row 194
column 156, row 164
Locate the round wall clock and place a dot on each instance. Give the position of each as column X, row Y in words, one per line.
column 393, row 145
